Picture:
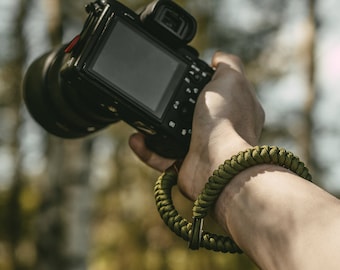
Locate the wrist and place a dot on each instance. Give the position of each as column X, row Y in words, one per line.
column 203, row 158
column 224, row 151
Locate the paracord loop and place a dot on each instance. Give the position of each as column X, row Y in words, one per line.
column 215, row 185
column 179, row 225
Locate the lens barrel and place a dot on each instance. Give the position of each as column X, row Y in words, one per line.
column 47, row 98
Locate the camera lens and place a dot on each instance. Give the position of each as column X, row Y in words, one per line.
column 48, row 99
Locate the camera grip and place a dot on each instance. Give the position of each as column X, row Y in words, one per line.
column 166, row 147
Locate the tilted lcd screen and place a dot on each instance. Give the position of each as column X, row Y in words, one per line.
column 138, row 68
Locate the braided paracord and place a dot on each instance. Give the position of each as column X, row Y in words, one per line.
column 179, row 225
column 192, row 232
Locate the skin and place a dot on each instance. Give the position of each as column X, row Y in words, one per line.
column 278, row 219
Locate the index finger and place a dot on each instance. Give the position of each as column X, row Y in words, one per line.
column 137, row 144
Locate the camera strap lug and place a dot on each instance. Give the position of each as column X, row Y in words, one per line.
column 95, row 7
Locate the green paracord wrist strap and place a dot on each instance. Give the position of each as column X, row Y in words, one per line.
column 193, row 232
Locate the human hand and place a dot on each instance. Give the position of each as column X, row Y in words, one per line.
column 265, row 205
column 228, row 118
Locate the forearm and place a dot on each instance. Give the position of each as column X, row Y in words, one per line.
column 273, row 214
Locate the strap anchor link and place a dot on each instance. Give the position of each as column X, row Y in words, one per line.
column 197, row 231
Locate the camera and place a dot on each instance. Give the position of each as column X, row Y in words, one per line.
column 137, row 68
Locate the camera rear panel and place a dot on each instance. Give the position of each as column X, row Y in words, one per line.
column 154, row 87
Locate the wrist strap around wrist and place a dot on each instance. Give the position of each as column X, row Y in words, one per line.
column 215, row 185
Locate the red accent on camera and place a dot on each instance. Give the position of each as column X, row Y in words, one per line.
column 73, row 43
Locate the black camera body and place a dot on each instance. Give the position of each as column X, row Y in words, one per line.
column 123, row 66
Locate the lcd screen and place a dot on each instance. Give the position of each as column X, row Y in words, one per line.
column 138, row 68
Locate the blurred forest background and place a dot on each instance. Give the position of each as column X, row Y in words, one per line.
column 88, row 203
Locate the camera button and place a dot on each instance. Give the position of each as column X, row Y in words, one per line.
column 192, row 101
column 195, row 68
column 184, row 132
column 176, row 105
column 196, row 77
column 172, row 124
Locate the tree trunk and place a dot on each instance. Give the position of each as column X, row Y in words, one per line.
column 12, row 101
column 306, row 138
column 63, row 222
